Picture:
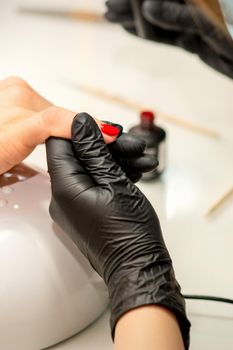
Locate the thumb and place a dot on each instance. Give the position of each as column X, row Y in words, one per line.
column 93, row 152
column 170, row 15
column 67, row 174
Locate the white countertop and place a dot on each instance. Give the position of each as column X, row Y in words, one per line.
column 55, row 54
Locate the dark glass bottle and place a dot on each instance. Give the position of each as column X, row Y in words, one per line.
column 155, row 138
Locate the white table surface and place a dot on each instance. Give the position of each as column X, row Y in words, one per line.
column 55, row 54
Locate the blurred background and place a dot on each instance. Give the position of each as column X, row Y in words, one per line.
column 60, row 55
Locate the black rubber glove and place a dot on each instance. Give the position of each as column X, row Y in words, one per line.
column 128, row 152
column 180, row 23
column 112, row 223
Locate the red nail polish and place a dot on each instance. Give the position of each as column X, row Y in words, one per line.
column 109, row 130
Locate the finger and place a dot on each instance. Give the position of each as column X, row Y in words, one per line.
column 18, row 139
column 14, row 113
column 71, row 185
column 134, row 177
column 109, row 130
column 53, row 121
column 93, row 152
column 59, row 120
column 171, row 15
column 128, row 151
column 119, row 11
column 128, row 145
column 15, row 91
column 124, row 19
column 141, row 164
column 130, row 28
column 64, row 167
column 119, row 6
column 9, row 81
column 12, row 150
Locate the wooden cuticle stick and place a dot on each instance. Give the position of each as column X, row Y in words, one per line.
column 220, row 202
column 121, row 100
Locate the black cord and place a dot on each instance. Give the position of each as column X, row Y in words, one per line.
column 208, row 297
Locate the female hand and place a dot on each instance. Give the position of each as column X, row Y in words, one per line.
column 112, row 223
column 27, row 119
column 21, row 130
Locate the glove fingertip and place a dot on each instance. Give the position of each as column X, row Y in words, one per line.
column 134, row 177
column 83, row 121
column 128, row 144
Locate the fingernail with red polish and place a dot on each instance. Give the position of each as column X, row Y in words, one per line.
column 109, row 130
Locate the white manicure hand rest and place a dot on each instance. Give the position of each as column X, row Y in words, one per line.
column 48, row 290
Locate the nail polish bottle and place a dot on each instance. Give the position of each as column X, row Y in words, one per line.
column 155, row 138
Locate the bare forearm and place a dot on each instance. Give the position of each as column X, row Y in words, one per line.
column 149, row 327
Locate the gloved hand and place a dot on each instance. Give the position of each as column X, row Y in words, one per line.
column 180, row 23
column 128, row 151
column 112, row 223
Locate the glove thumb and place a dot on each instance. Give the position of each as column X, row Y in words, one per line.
column 93, row 152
